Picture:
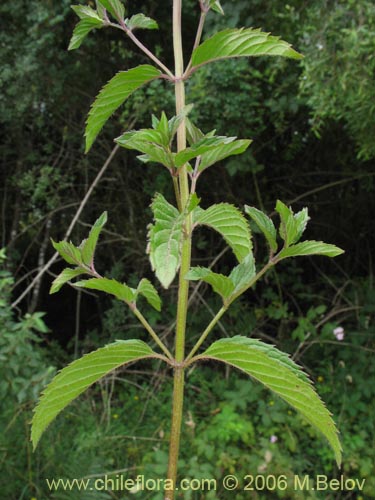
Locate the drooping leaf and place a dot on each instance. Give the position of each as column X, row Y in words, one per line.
column 265, row 224
column 113, row 94
column 241, row 42
column 115, row 8
column 140, row 21
column 89, row 246
column 221, row 284
column 279, row 373
column 70, row 253
column 310, row 248
column 165, row 240
column 227, row 220
column 82, row 29
column 65, row 276
column 222, row 151
column 111, row 286
column 150, row 293
column 75, row 378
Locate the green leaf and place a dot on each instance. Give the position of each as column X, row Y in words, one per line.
column 301, row 218
column 66, row 275
column 82, row 29
column 75, row 378
column 165, row 240
column 113, row 287
column 279, row 373
column 288, row 228
column 70, row 253
column 142, row 22
column 241, row 42
column 86, row 12
column 292, row 225
column 151, row 143
column 193, row 133
column 227, row 220
column 176, row 121
column 114, row 7
column 100, row 9
column 226, row 286
column 199, row 148
column 265, row 224
column 215, row 5
column 89, row 246
column 310, row 248
column 150, row 293
column 242, row 274
column 113, row 94
column 222, row 151
column 221, row 284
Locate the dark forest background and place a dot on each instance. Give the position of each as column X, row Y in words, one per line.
column 313, row 127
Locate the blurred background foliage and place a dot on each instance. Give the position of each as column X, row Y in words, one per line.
column 313, row 127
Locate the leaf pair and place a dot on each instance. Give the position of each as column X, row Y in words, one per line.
column 261, row 361
column 292, row 227
column 82, row 256
column 123, row 292
column 156, row 144
column 165, row 235
column 91, row 19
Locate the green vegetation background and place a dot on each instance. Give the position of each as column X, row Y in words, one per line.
column 313, row 126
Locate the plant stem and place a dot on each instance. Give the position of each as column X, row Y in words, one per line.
column 122, row 26
column 183, row 289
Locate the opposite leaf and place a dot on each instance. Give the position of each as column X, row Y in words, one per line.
column 113, row 94
column 75, row 378
column 241, row 42
column 227, row 220
column 279, row 373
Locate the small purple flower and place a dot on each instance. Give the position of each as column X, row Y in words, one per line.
column 339, row 333
column 273, row 439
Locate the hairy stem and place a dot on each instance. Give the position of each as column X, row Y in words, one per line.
column 183, row 288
